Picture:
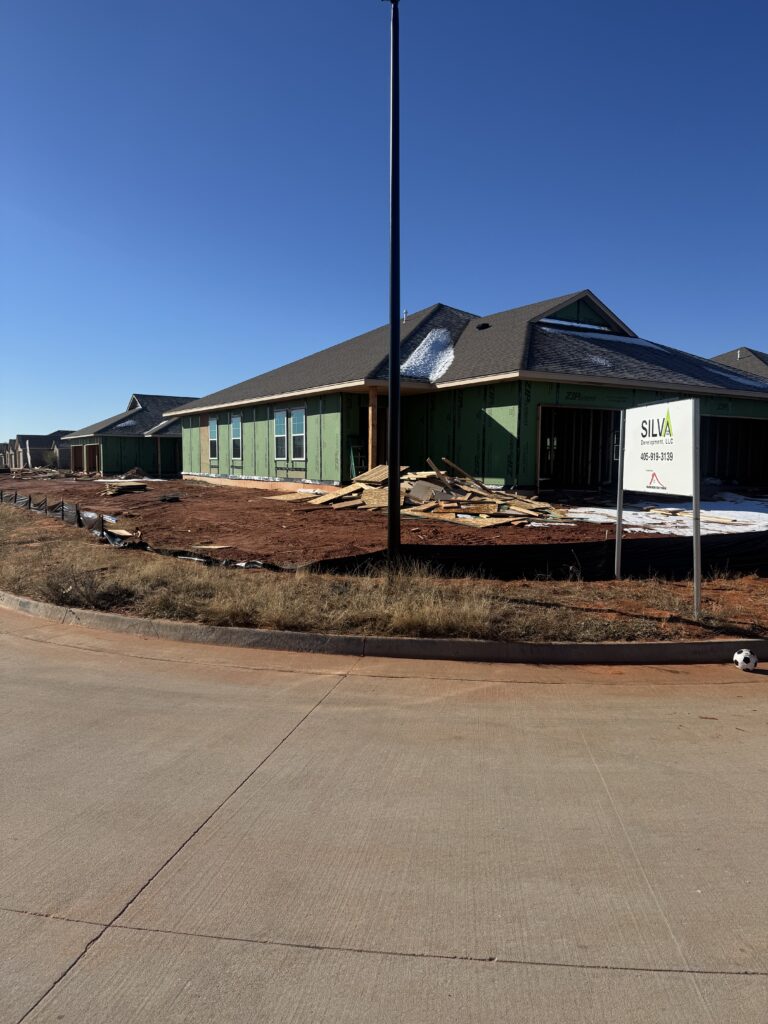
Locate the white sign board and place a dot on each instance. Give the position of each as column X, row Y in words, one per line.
column 659, row 449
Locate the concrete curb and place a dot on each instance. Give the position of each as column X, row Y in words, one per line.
column 657, row 653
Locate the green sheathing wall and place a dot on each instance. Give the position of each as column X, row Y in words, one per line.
column 224, row 465
column 119, row 454
column 323, row 443
column 262, row 440
column 534, row 394
column 331, row 438
column 476, row 427
column 190, row 444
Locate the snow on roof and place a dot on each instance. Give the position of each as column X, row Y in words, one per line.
column 431, row 357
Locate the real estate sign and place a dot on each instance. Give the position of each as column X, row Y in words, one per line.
column 659, row 443
column 659, row 454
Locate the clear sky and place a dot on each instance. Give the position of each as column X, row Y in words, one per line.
column 195, row 191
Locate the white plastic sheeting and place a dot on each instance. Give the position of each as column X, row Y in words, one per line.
column 728, row 513
column 431, row 357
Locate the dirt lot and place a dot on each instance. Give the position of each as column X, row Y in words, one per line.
column 251, row 526
column 43, row 558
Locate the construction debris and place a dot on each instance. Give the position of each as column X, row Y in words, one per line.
column 114, row 487
column 436, row 495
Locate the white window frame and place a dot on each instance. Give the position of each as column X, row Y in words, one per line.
column 302, row 435
column 213, row 439
column 239, row 417
column 284, row 436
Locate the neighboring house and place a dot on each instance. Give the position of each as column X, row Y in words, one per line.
column 529, row 397
column 4, row 454
column 61, row 452
column 139, row 436
column 748, row 360
column 34, row 451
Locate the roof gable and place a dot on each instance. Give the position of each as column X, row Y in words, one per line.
column 142, row 414
column 748, row 360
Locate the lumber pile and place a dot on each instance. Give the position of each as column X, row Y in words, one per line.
column 114, row 487
column 450, row 496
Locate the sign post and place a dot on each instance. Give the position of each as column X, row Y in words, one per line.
column 696, row 508
column 660, row 455
column 620, row 497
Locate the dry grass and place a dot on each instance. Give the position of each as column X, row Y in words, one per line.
column 44, row 559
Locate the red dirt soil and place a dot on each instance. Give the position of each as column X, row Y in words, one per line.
column 253, row 527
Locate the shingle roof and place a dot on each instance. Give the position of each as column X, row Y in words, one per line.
column 366, row 357
column 357, row 359
column 568, row 353
column 516, row 341
column 39, row 440
column 747, row 359
column 142, row 414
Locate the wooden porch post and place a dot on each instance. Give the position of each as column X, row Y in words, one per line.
column 373, row 427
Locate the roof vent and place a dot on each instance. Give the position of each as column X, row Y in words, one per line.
column 482, row 327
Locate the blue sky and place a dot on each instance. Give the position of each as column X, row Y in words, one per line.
column 194, row 191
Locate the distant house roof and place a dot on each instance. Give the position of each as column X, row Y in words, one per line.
column 571, row 336
column 142, row 417
column 38, row 440
column 747, row 359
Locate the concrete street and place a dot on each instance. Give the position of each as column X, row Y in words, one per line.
column 199, row 834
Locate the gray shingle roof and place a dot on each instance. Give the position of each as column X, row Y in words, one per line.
column 747, row 359
column 496, row 344
column 144, row 412
column 39, row 440
column 567, row 353
column 358, row 359
column 510, row 342
column 365, row 357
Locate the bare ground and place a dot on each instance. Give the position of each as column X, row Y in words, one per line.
column 45, row 559
column 250, row 526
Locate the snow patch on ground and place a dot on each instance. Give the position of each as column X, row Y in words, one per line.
column 742, row 515
column 431, row 357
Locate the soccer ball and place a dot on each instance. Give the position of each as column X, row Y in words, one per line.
column 745, row 660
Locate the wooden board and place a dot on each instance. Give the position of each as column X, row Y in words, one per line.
column 328, row 499
column 466, row 475
column 354, row 503
column 378, row 497
column 377, row 475
column 291, row 496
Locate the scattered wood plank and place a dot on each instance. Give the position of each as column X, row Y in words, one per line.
column 467, row 476
column 377, row 475
column 329, row 499
column 441, row 475
column 290, row 496
column 353, row 503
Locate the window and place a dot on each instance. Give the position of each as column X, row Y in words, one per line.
column 213, row 437
column 281, row 434
column 237, row 432
column 297, row 434
column 295, row 418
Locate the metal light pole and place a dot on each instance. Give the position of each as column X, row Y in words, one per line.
column 393, row 424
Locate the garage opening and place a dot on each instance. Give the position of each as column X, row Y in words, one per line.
column 92, row 458
column 578, row 448
column 735, row 451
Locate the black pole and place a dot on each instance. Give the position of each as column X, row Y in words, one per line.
column 393, row 424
